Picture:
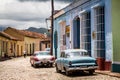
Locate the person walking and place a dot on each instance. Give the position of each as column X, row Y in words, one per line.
column 24, row 53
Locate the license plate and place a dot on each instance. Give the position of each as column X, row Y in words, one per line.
column 83, row 66
column 44, row 60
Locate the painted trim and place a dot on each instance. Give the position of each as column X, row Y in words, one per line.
column 59, row 14
column 115, row 62
column 83, row 11
column 116, row 68
column 108, row 31
column 98, row 5
column 61, row 21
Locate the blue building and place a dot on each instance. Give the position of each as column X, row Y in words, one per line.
column 88, row 24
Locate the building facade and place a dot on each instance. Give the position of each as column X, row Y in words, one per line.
column 90, row 25
column 28, row 41
column 7, row 45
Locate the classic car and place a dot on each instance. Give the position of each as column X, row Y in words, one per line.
column 41, row 58
column 72, row 60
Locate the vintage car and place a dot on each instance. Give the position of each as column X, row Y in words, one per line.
column 41, row 58
column 72, row 60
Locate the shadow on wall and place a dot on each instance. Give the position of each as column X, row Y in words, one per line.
column 5, row 58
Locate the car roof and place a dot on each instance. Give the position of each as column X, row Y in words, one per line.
column 75, row 50
column 40, row 51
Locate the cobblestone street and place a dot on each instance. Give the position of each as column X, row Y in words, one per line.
column 20, row 69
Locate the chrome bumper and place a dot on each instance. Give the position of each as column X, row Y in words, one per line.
column 82, row 68
column 42, row 62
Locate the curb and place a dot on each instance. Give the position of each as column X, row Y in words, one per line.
column 113, row 74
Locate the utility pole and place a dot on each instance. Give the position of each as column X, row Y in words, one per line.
column 52, row 26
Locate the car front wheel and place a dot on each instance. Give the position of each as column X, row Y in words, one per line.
column 91, row 72
column 51, row 64
column 67, row 72
column 57, row 70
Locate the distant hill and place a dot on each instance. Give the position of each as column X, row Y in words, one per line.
column 2, row 28
column 39, row 30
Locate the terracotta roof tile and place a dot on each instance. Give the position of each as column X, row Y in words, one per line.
column 29, row 33
column 7, row 36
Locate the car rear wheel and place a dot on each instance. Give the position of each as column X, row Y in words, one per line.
column 91, row 72
column 51, row 64
column 31, row 63
column 57, row 70
column 35, row 65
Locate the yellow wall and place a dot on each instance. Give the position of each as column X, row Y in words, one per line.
column 20, row 48
column 7, row 49
column 1, row 45
column 30, row 41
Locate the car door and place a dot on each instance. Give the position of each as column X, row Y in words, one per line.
column 62, row 60
column 59, row 61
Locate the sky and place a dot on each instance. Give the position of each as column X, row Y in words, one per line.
column 22, row 14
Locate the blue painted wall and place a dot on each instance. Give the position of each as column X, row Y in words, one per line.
column 69, row 16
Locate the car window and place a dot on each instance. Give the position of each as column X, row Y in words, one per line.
column 76, row 54
column 41, row 53
column 67, row 55
column 44, row 53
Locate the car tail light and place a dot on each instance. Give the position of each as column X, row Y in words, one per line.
column 52, row 59
column 36, row 59
column 70, row 63
column 96, row 63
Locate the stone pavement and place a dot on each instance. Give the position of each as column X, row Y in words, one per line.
column 108, row 73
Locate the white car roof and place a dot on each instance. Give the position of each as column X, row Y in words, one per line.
column 40, row 51
column 75, row 50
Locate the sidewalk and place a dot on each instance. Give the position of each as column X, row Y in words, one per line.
column 108, row 73
column 4, row 59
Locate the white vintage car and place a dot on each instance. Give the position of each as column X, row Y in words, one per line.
column 40, row 58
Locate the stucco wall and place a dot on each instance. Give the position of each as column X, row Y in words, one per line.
column 116, row 36
column 108, row 31
column 28, row 41
column 116, row 29
column 69, row 16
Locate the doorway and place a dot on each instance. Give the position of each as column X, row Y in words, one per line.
column 76, row 33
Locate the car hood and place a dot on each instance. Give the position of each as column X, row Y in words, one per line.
column 82, row 60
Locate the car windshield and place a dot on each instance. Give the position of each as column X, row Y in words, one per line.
column 76, row 54
column 42, row 53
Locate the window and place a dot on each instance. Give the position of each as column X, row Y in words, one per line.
column 86, row 32
column 64, row 39
column 99, row 31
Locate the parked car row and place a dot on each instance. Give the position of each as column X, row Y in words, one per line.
column 70, row 60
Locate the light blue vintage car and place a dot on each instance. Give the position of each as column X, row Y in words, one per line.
column 75, row 60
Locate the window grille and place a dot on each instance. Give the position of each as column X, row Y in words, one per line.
column 99, row 31
column 86, row 32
